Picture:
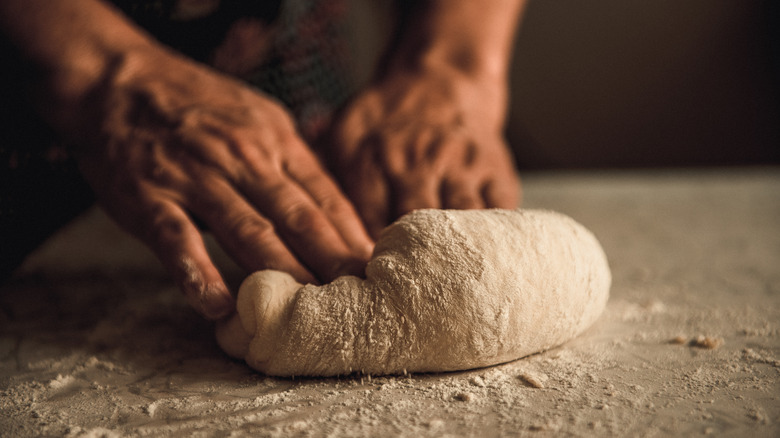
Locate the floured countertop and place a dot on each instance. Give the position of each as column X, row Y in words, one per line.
column 96, row 341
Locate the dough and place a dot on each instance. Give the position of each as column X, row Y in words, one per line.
column 445, row 290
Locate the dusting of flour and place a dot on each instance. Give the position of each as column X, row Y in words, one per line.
column 95, row 340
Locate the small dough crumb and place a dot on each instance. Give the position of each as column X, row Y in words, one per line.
column 706, row 342
column 545, row 427
column 463, row 396
column 532, row 380
column 678, row 340
column 477, row 381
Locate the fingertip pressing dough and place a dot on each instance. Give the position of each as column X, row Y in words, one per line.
column 444, row 290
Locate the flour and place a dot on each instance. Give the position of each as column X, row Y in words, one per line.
column 96, row 309
column 444, row 291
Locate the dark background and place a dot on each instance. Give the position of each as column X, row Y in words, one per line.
column 638, row 83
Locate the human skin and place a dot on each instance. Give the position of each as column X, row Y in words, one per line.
column 428, row 131
column 162, row 140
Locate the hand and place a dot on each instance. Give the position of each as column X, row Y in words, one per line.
column 167, row 140
column 424, row 139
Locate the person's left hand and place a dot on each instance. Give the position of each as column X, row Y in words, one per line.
column 431, row 138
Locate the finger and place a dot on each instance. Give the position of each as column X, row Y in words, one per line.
column 335, row 205
column 426, row 148
column 359, row 115
column 502, row 192
column 366, row 185
column 415, row 192
column 246, row 235
column 302, row 224
column 418, row 184
column 179, row 245
column 461, row 194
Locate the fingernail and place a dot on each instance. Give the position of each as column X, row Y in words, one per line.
column 216, row 302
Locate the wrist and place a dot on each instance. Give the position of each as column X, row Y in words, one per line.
column 67, row 92
column 464, row 79
column 471, row 38
column 457, row 57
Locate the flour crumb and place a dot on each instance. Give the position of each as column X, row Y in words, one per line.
column 678, row 340
column 545, row 427
column 60, row 382
column 477, row 381
column 533, row 380
column 759, row 416
column 297, row 426
column 98, row 432
column 765, row 330
column 761, row 357
column 654, row 306
column 434, row 424
column 706, row 342
column 151, row 408
column 463, row 396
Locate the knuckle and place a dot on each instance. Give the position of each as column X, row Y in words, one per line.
column 329, row 198
column 302, row 219
column 161, row 175
column 202, row 197
column 333, row 205
column 248, row 149
column 252, row 228
column 374, row 144
column 260, row 162
column 435, row 147
column 165, row 227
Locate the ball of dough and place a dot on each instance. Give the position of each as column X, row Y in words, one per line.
column 444, row 290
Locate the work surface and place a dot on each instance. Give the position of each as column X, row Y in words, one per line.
column 95, row 340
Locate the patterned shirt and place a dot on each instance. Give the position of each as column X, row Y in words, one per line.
column 296, row 50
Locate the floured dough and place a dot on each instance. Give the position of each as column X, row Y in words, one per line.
column 445, row 290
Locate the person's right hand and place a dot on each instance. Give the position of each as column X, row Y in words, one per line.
column 167, row 140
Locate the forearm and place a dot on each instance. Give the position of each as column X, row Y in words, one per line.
column 472, row 37
column 66, row 47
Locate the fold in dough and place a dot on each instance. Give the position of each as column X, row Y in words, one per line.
column 445, row 290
